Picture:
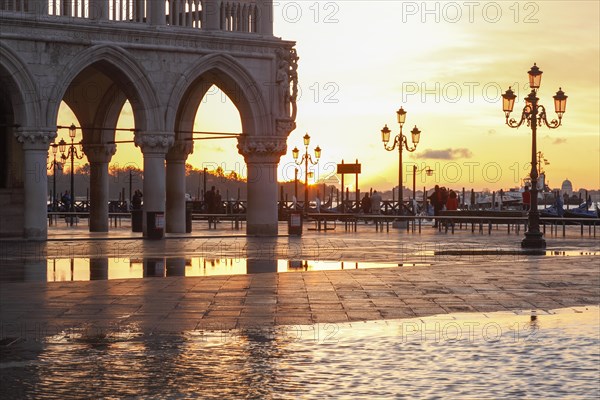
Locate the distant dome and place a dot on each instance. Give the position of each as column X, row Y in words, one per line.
column 567, row 187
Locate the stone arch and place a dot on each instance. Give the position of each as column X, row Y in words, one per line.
column 20, row 115
column 108, row 112
column 19, row 84
column 19, row 107
column 233, row 79
column 125, row 71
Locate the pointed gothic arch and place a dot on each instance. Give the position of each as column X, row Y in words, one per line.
column 21, row 89
column 125, row 71
column 234, row 80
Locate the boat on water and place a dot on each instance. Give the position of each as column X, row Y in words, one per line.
column 584, row 210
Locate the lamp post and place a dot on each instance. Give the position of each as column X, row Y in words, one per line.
column 296, row 183
column 402, row 143
column 71, row 153
column 306, row 158
column 54, row 166
column 428, row 171
column 534, row 114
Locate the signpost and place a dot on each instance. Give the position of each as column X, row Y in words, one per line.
column 349, row 169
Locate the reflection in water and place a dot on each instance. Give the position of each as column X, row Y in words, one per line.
column 154, row 267
column 497, row 355
column 257, row 266
column 176, row 266
column 98, row 267
column 103, row 268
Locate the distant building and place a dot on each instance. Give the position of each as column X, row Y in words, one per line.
column 567, row 187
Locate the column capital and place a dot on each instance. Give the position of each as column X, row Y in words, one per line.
column 35, row 138
column 180, row 150
column 284, row 127
column 154, row 142
column 99, row 153
column 262, row 148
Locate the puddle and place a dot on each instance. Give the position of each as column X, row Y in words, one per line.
column 572, row 253
column 107, row 268
column 513, row 252
column 86, row 269
column 493, row 355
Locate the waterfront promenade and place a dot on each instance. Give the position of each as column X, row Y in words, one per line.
column 413, row 275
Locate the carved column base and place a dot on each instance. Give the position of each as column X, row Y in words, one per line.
column 262, row 156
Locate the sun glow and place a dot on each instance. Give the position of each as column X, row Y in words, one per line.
column 447, row 72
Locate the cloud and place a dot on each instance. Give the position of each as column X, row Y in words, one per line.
column 559, row 141
column 447, row 154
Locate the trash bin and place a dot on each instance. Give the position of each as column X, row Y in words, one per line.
column 189, row 208
column 137, row 220
column 155, row 224
column 295, row 223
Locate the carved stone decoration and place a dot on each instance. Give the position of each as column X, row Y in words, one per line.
column 158, row 143
column 285, row 127
column 34, row 138
column 263, row 147
column 180, row 150
column 286, row 75
column 99, row 153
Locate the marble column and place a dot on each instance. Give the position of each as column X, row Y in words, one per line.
column 36, row 143
column 262, row 156
column 175, row 213
column 99, row 156
column 154, row 146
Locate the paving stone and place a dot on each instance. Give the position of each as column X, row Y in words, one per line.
column 447, row 285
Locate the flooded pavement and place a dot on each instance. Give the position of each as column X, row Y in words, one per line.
column 322, row 315
column 121, row 266
column 496, row 355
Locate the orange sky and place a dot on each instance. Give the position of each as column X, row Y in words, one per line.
column 446, row 63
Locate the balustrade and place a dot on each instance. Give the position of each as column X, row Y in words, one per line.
column 186, row 13
column 232, row 16
column 239, row 16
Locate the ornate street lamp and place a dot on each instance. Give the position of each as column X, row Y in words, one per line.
column 402, row 143
column 535, row 115
column 54, row 165
column 306, row 158
column 71, row 153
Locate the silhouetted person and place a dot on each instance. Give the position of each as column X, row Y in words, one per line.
column 66, row 200
column 209, row 200
column 376, row 202
column 136, row 200
column 437, row 201
column 452, row 202
column 365, row 204
column 218, row 202
column 526, row 199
